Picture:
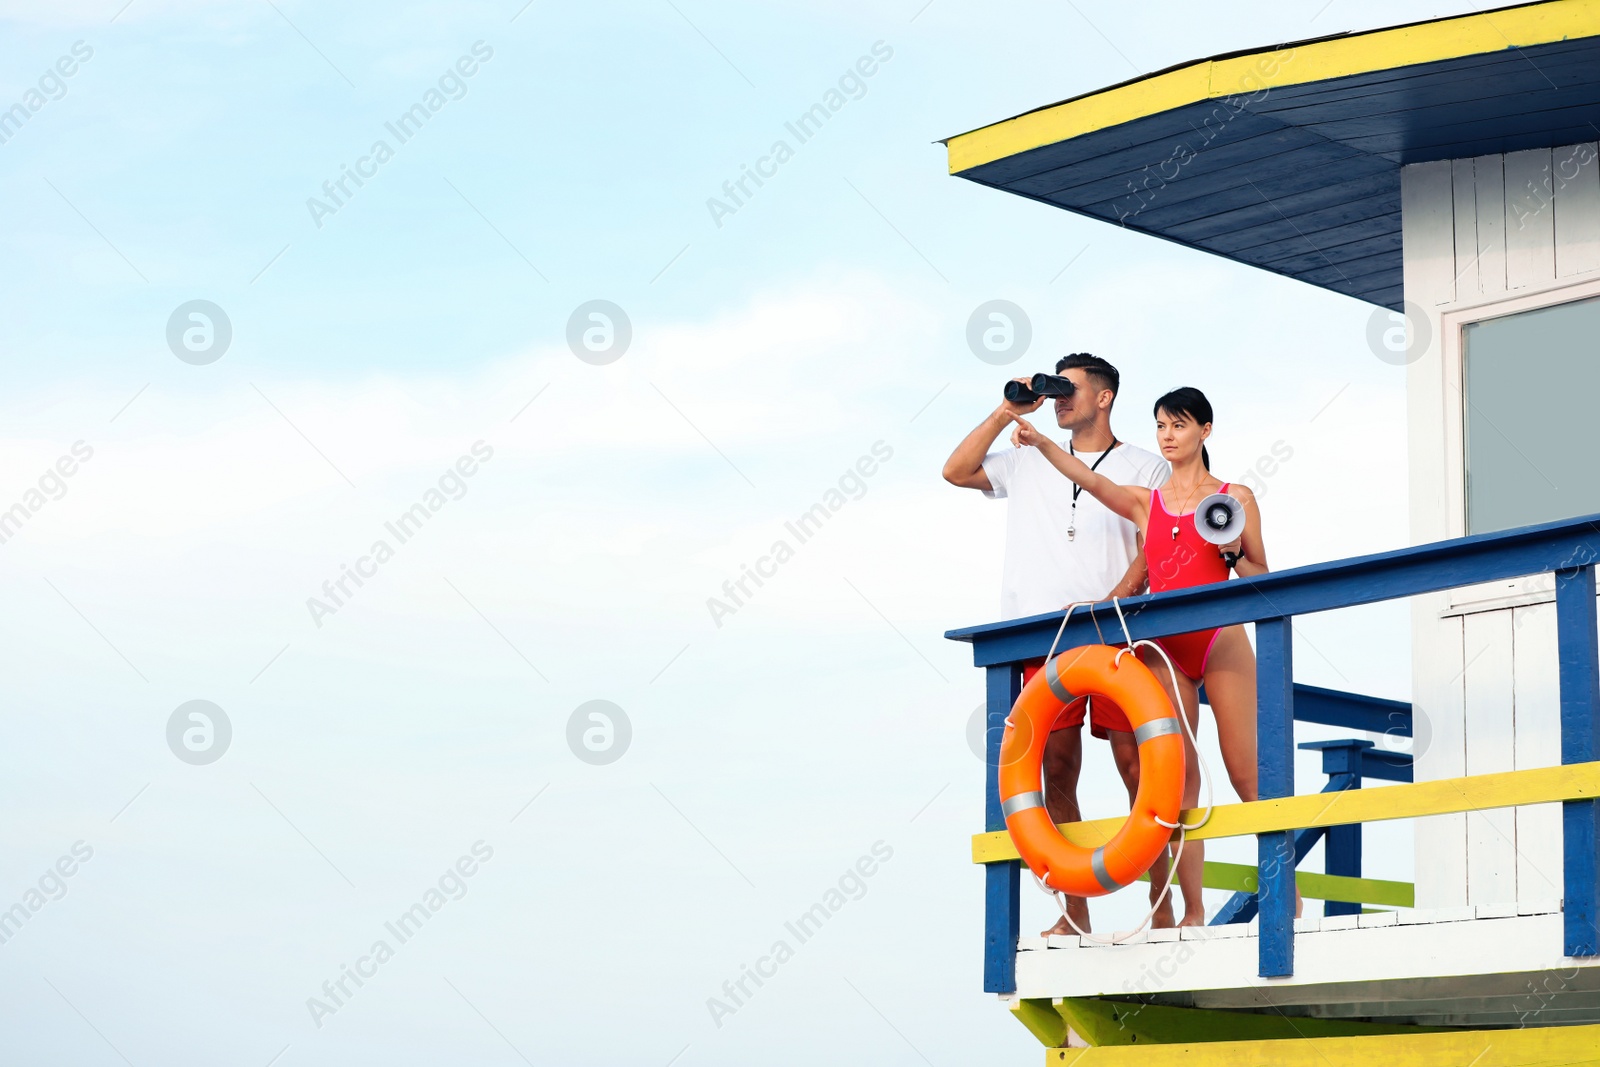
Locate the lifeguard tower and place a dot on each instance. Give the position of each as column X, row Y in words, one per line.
column 1445, row 170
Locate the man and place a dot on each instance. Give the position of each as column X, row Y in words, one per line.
column 1064, row 546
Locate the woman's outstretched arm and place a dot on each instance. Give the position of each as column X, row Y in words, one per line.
column 1131, row 502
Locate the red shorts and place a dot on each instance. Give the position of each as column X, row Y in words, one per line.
column 1103, row 714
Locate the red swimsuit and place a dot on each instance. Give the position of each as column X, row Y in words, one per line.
column 1177, row 562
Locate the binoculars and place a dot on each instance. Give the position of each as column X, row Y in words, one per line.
column 1040, row 385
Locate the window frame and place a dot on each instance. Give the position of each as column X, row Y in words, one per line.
column 1453, row 323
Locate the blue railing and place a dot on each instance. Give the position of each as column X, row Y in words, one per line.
column 1346, row 762
column 1569, row 549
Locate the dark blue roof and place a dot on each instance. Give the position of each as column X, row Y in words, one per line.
column 1304, row 179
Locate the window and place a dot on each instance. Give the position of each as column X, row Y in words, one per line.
column 1530, row 417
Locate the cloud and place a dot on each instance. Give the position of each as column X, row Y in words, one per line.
column 791, row 387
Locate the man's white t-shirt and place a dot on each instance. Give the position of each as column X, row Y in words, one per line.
column 1044, row 571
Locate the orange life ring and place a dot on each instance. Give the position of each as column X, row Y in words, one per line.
column 1092, row 670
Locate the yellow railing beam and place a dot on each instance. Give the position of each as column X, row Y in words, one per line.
column 1540, row 785
column 1241, row 878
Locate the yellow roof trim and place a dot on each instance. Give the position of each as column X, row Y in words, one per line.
column 1362, row 53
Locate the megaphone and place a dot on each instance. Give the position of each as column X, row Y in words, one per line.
column 1219, row 518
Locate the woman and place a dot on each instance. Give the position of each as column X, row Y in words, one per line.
column 1179, row 557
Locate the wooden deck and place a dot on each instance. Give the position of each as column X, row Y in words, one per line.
column 1479, row 967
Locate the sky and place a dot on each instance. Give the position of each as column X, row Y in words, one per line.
column 427, row 733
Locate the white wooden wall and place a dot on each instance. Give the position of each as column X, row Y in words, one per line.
column 1485, row 235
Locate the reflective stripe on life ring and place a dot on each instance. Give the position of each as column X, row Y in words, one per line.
column 1092, row 670
column 1156, row 728
column 1052, row 678
column 1021, row 802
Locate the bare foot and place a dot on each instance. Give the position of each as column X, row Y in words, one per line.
column 1193, row 919
column 1162, row 920
column 1079, row 910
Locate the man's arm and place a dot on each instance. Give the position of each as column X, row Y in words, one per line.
column 965, row 465
column 1133, row 582
column 1137, row 578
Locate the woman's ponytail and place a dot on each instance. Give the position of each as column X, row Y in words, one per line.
column 1205, row 458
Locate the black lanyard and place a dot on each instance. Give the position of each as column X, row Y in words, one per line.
column 1076, row 488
